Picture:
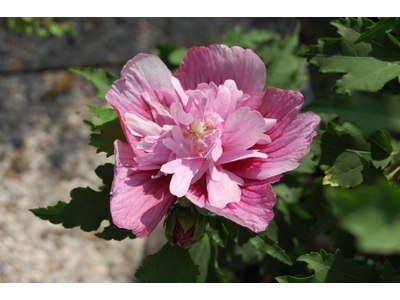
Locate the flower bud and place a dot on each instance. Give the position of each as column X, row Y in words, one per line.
column 184, row 226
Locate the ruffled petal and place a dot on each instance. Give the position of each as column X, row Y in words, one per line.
column 218, row 63
column 137, row 202
column 254, row 210
column 223, row 191
column 145, row 73
column 242, row 129
column 290, row 137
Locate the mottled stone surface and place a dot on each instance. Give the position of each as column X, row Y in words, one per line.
column 44, row 151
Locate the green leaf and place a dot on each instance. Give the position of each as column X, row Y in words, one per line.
column 175, row 57
column 107, row 129
column 268, row 245
column 333, row 268
column 101, row 78
column 292, row 279
column 106, row 172
column 201, row 255
column 371, row 213
column 284, row 68
column 169, row 265
column 367, row 65
column 389, row 274
column 86, row 209
column 369, row 111
column 112, row 232
column 250, row 39
column 377, row 30
column 343, row 150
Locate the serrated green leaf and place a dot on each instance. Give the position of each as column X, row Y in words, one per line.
column 101, row 78
column 333, row 268
column 371, row 213
column 169, row 265
column 389, row 274
column 106, row 172
column 112, row 232
column 86, row 209
column 343, row 152
column 377, row 30
column 369, row 111
column 367, row 65
column 108, row 129
column 268, row 245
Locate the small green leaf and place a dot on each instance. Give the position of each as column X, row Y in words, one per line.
column 371, row 213
column 292, row 279
column 333, row 268
column 106, row 172
column 369, row 111
column 343, row 150
column 175, row 57
column 107, row 129
column 250, row 39
column 268, row 245
column 201, row 255
column 112, row 232
column 86, row 209
column 379, row 29
column 101, row 78
column 389, row 274
column 169, row 265
column 367, row 65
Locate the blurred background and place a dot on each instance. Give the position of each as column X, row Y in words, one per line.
column 44, row 151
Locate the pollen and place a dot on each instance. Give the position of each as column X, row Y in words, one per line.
column 198, row 126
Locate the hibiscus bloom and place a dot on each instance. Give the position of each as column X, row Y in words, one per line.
column 208, row 133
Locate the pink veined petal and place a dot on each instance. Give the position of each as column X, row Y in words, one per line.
column 183, row 170
column 140, row 126
column 138, row 77
column 179, row 115
column 269, row 123
column 178, row 88
column 242, row 129
column 230, row 156
column 218, row 63
column 225, row 190
column 291, row 136
column 254, row 210
column 264, row 139
column 138, row 202
column 161, row 115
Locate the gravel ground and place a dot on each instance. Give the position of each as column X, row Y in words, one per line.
column 44, row 151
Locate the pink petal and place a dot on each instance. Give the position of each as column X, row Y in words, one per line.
column 224, row 190
column 242, row 129
column 138, row 202
column 218, row 63
column 291, row 136
column 143, row 73
column 184, row 170
column 230, row 156
column 179, row 115
column 254, row 209
column 140, row 126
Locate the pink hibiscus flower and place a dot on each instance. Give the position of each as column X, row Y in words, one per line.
column 208, row 133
